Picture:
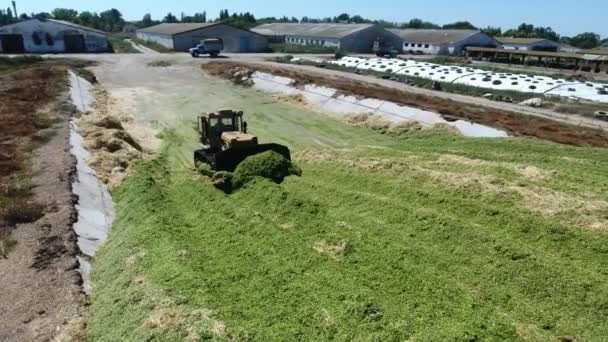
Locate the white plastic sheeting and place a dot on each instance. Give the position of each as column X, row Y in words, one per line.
column 95, row 208
column 481, row 78
column 331, row 101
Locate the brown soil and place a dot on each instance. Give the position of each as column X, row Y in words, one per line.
column 515, row 123
column 38, row 271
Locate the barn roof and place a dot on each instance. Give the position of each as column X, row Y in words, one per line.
column 322, row 30
column 171, row 29
column 436, row 36
column 521, row 41
column 61, row 22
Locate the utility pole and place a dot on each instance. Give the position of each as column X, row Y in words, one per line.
column 15, row 9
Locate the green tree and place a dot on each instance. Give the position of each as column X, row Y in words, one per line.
column 41, row 15
column 111, row 20
column 460, row 25
column 200, row 17
column 420, row 24
column 6, row 17
column 492, row 31
column 65, row 14
column 146, row 21
column 586, row 40
column 170, row 18
column 344, row 17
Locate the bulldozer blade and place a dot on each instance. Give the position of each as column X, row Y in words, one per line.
column 229, row 159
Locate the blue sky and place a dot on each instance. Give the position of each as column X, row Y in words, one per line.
column 567, row 17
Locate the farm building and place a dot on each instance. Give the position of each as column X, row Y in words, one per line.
column 528, row 44
column 442, row 42
column 346, row 37
column 567, row 48
column 49, row 35
column 181, row 37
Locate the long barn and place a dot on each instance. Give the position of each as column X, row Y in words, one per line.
column 345, row 37
column 51, row 36
column 442, row 42
column 181, row 37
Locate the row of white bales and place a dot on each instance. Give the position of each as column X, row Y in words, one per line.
column 481, row 78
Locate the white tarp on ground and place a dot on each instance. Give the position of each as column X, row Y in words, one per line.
column 331, row 101
column 95, row 207
column 481, row 78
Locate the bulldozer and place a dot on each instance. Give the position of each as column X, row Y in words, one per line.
column 226, row 142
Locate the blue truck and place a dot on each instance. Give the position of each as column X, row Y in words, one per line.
column 211, row 47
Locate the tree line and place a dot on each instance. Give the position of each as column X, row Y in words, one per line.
column 112, row 21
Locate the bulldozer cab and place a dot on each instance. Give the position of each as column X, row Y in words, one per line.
column 216, row 128
column 226, row 142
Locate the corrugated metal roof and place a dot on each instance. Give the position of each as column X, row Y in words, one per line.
column 520, row 41
column 526, row 52
column 594, row 52
column 310, row 30
column 67, row 23
column 61, row 22
column 434, row 36
column 594, row 57
column 171, row 29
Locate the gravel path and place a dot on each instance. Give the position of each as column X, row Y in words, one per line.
column 142, row 48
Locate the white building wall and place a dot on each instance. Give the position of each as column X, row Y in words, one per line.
column 529, row 47
column 94, row 41
column 426, row 48
column 302, row 40
column 515, row 47
column 162, row 39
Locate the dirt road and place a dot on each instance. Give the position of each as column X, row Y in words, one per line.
column 39, row 279
column 142, row 48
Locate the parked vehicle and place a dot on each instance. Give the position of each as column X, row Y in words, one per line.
column 381, row 49
column 211, row 47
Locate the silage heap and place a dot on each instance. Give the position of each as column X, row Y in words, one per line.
column 268, row 165
column 421, row 236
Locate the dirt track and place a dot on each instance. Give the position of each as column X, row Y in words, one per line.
column 518, row 120
column 39, row 279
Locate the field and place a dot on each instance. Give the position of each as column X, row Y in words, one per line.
column 389, row 234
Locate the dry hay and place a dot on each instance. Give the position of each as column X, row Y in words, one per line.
column 377, row 123
column 530, row 172
column 113, row 150
column 107, row 134
column 295, row 99
column 336, row 251
column 166, row 315
column 590, row 208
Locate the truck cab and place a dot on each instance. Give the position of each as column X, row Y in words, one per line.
column 211, row 47
column 382, row 49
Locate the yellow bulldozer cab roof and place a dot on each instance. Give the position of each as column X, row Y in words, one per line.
column 224, row 113
column 237, row 137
